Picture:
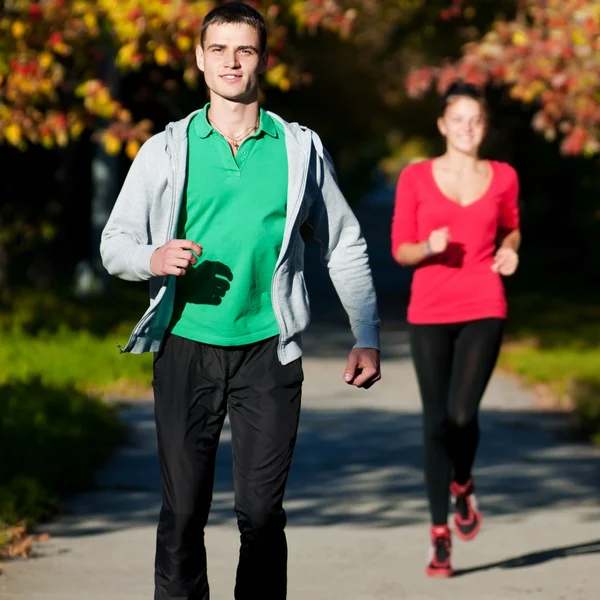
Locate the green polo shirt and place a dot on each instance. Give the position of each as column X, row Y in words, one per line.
column 235, row 208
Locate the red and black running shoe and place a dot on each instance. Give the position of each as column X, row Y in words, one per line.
column 467, row 519
column 441, row 545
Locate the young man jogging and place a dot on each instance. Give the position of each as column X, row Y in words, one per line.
column 210, row 213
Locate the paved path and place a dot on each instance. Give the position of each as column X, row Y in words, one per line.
column 357, row 515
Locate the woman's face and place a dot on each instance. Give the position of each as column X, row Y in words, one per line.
column 463, row 124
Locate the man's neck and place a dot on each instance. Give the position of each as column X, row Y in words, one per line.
column 232, row 118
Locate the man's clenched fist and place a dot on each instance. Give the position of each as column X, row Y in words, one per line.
column 174, row 257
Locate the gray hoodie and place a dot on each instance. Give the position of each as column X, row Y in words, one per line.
column 146, row 213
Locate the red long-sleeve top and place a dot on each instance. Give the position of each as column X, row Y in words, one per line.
column 459, row 284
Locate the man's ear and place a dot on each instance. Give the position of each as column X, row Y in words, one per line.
column 200, row 57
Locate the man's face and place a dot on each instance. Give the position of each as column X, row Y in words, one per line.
column 231, row 61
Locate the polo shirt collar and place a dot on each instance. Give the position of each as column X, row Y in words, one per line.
column 266, row 124
column 204, row 128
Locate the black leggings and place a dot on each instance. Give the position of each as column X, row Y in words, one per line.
column 454, row 363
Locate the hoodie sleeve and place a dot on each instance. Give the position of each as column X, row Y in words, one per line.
column 126, row 245
column 344, row 250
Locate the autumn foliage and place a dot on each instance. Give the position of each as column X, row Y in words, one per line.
column 53, row 57
column 548, row 56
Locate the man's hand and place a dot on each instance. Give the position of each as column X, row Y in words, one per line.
column 506, row 261
column 174, row 258
column 363, row 368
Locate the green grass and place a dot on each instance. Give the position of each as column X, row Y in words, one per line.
column 63, row 341
column 557, row 367
column 58, row 355
column 555, row 341
column 78, row 358
column 52, row 440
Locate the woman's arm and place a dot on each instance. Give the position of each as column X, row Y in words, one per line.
column 512, row 240
column 506, row 259
column 407, row 249
column 410, row 254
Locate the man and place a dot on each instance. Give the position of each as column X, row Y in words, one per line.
column 210, row 213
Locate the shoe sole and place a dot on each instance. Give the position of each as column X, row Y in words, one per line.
column 439, row 573
column 467, row 537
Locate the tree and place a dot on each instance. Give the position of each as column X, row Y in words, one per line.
column 547, row 54
column 53, row 57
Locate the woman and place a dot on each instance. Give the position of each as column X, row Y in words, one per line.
column 456, row 220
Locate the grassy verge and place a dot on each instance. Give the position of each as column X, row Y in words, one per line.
column 63, row 341
column 58, row 356
column 52, row 440
column 87, row 362
column 555, row 341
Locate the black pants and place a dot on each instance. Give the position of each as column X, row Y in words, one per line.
column 454, row 363
column 194, row 385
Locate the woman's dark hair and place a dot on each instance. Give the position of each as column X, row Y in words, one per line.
column 237, row 13
column 462, row 89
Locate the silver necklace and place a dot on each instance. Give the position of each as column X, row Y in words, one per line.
column 236, row 141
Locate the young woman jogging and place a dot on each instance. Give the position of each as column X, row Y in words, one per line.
column 456, row 220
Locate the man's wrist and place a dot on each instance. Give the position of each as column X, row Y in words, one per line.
column 427, row 248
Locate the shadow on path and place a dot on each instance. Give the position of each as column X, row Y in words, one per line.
column 535, row 558
column 359, row 467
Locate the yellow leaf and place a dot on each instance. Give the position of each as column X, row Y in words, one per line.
column 46, row 86
column 103, row 96
column 284, row 84
column 47, row 141
column 18, row 29
column 79, row 7
column 276, row 74
column 190, row 76
column 469, row 12
column 13, row 134
column 161, row 56
column 76, row 129
column 112, row 144
column 528, row 95
column 519, row 38
column 62, row 139
column 90, row 20
column 125, row 55
column 297, row 9
column 61, row 48
column 125, row 115
column 579, row 38
column 46, row 59
column 132, row 148
column 184, row 43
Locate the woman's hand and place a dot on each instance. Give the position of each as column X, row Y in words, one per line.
column 506, row 261
column 438, row 240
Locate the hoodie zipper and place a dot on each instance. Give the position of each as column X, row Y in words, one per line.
column 286, row 242
column 172, row 153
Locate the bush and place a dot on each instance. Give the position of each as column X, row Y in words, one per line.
column 52, row 440
column 586, row 413
column 554, row 339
